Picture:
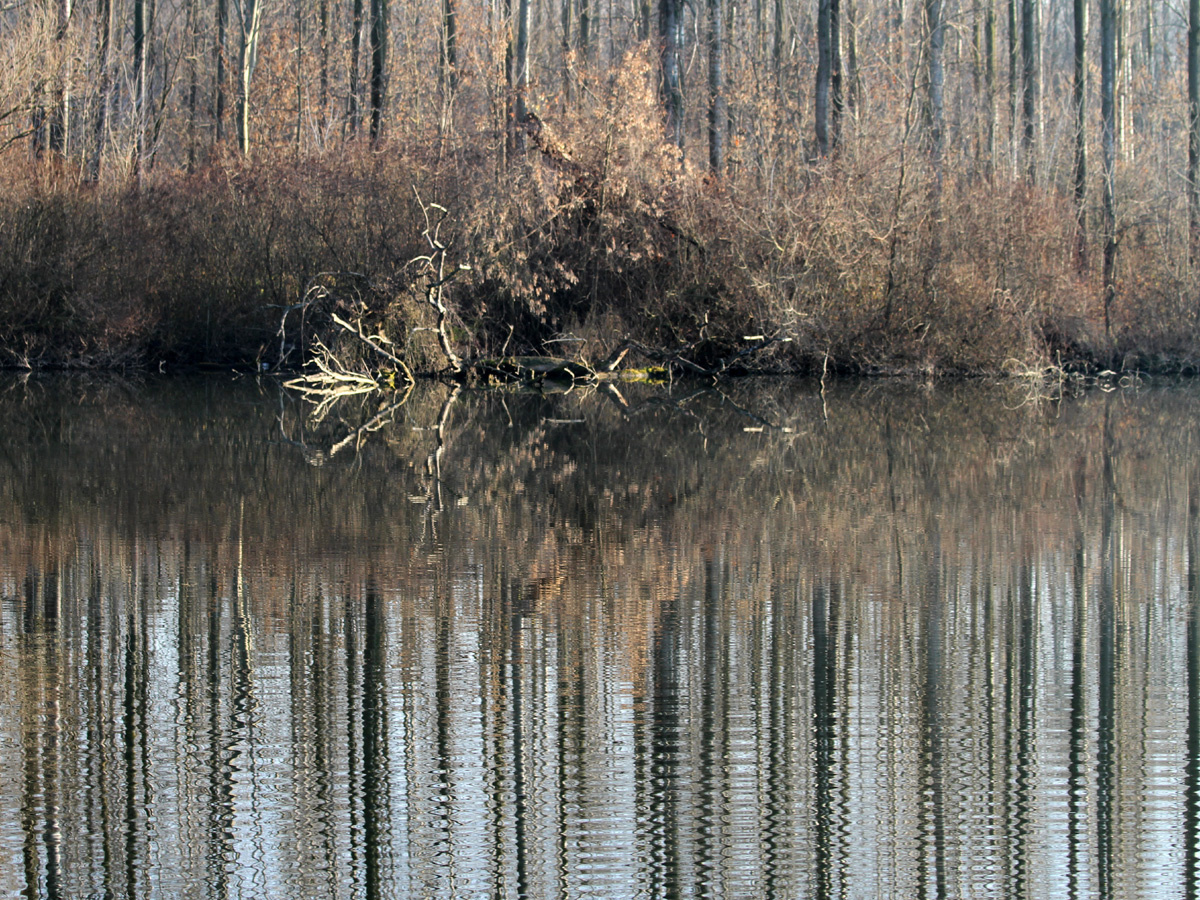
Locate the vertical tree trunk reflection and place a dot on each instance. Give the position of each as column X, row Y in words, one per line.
column 1078, row 753
column 824, row 694
column 664, row 744
column 1106, row 750
column 516, row 664
column 1191, row 819
column 376, row 796
column 932, row 813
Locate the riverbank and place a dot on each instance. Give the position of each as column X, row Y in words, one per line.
column 592, row 239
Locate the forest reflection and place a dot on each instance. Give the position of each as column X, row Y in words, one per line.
column 759, row 642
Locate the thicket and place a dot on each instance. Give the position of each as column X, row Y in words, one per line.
column 148, row 239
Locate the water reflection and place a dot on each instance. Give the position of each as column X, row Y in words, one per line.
column 888, row 642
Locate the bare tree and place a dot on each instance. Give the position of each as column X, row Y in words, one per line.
column 1193, row 80
column 354, row 100
column 299, row 12
column 585, row 27
column 250, row 20
column 1081, row 123
column 1108, row 147
column 854, row 91
column 1031, row 80
column 104, row 32
column 670, row 28
column 935, row 103
column 379, row 56
column 193, row 93
column 777, row 47
column 1014, row 78
column 567, row 18
column 521, row 75
column 716, row 86
column 142, row 22
column 219, row 52
column 989, row 82
column 60, row 110
column 836, row 97
column 323, row 10
column 448, row 57
column 824, row 75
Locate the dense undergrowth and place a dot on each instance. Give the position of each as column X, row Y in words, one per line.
column 598, row 233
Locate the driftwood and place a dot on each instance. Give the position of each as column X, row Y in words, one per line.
column 330, row 379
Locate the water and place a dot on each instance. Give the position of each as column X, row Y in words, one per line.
column 879, row 642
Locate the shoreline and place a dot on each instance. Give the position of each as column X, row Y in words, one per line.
column 246, row 264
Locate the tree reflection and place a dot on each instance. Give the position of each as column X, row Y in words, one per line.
column 517, row 645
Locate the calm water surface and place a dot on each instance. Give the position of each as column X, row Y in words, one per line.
column 881, row 642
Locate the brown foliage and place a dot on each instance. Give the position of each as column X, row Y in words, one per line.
column 601, row 232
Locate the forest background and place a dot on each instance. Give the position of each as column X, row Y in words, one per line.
column 888, row 186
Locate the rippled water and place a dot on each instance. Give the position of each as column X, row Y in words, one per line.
column 878, row 642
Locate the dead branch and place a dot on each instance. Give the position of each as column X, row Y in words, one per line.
column 331, row 381
column 316, row 292
column 433, row 267
column 373, row 341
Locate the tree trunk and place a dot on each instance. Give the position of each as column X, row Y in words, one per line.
column 193, row 94
column 670, row 25
column 140, row 71
column 1122, row 81
column 1080, row 98
column 324, row 98
column 836, row 96
column 300, row 7
column 1193, row 81
column 354, row 100
column 510, row 83
column 1029, row 112
column 1108, row 147
column 448, row 52
column 989, row 84
column 567, row 17
column 716, row 86
column 104, row 32
column 219, row 101
column 935, row 106
column 777, row 50
column 760, row 30
column 60, row 113
column 585, row 27
column 521, row 77
column 1151, row 39
column 854, row 92
column 221, row 66
column 379, row 52
column 824, row 76
column 251, row 25
column 1014, row 81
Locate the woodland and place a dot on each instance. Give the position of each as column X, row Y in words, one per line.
column 918, row 187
